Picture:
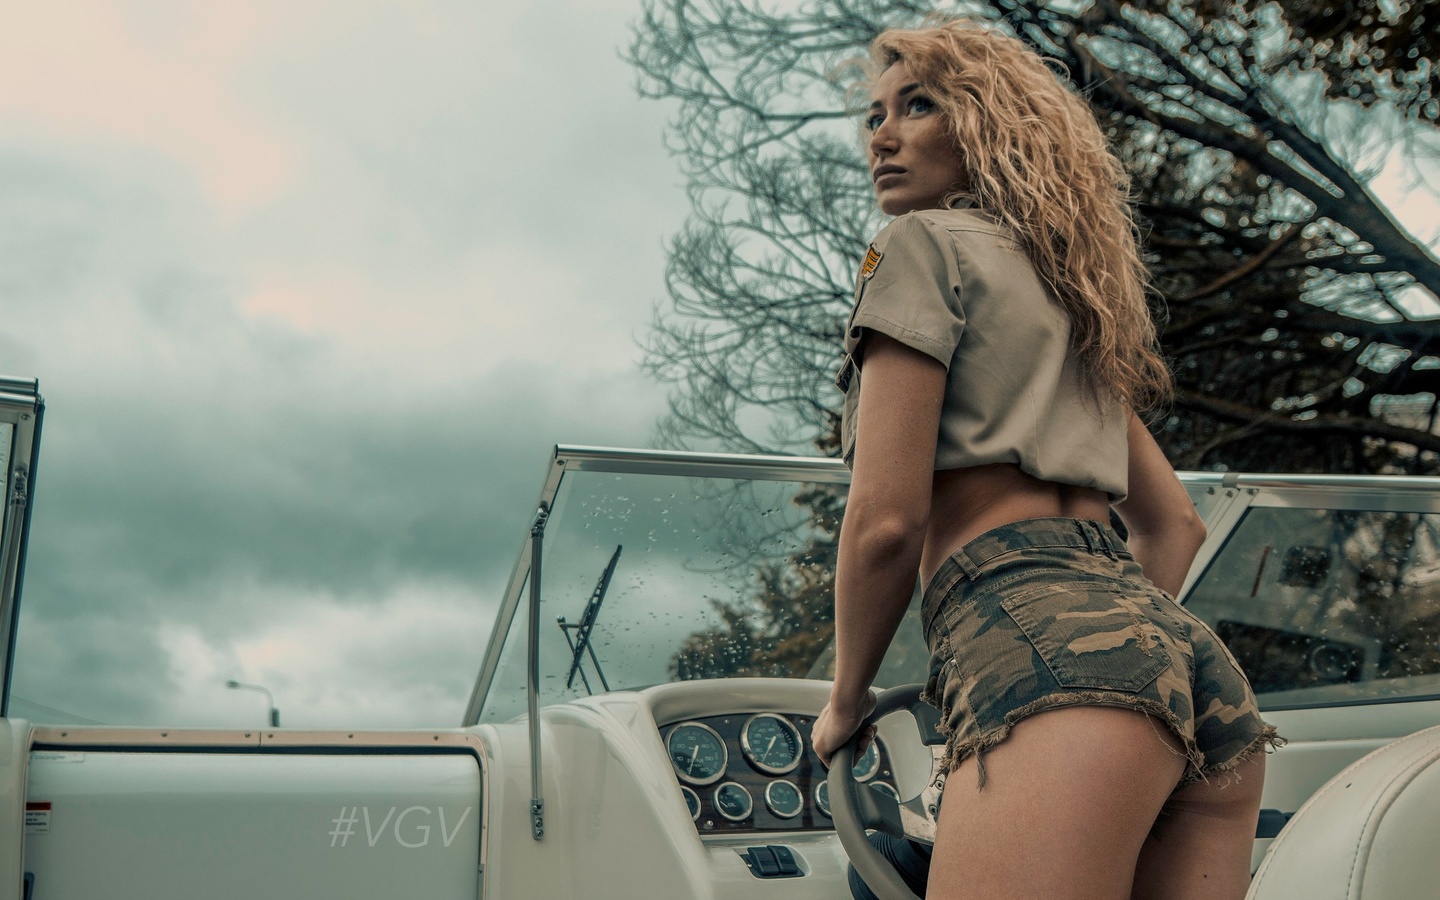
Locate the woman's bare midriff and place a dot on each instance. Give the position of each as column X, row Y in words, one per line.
column 966, row 503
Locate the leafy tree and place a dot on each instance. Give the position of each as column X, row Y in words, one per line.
column 785, row 626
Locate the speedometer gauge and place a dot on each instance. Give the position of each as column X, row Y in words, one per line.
column 772, row 743
column 698, row 754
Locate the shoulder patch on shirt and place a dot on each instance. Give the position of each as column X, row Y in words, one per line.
column 872, row 259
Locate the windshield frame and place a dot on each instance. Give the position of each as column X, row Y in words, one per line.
column 572, row 458
column 22, row 409
column 1222, row 499
column 1333, row 494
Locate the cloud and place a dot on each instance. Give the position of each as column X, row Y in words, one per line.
column 92, row 70
column 406, row 661
column 311, row 291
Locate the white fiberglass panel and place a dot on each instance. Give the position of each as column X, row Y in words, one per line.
column 241, row 825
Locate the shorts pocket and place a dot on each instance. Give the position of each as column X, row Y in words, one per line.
column 1090, row 635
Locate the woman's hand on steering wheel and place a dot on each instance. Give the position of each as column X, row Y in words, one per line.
column 834, row 727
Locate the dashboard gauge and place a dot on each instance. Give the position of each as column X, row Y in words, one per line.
column 692, row 801
column 733, row 802
column 822, row 797
column 698, row 754
column 887, row 789
column 784, row 799
column 868, row 764
column 772, row 743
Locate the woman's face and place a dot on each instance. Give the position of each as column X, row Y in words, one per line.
column 913, row 163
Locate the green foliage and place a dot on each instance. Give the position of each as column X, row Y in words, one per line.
column 786, row 625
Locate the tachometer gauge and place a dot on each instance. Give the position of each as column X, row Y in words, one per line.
column 784, row 799
column 697, row 752
column 733, row 801
column 822, row 798
column 772, row 743
column 692, row 802
column 884, row 788
column 868, row 764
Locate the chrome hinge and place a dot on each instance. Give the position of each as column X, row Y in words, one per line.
column 537, row 818
column 21, row 494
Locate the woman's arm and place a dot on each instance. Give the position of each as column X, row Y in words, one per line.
column 1165, row 530
column 901, row 396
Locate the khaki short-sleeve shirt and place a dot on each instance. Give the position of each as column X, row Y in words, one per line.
column 953, row 284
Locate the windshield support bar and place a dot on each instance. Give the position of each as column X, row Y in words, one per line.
column 21, row 412
column 532, row 680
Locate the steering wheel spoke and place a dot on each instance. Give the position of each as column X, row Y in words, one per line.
column 878, row 810
column 911, row 819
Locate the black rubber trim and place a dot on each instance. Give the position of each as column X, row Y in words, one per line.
column 1270, row 823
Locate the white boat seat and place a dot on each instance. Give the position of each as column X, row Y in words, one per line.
column 1371, row 833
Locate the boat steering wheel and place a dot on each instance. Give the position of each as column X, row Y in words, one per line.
column 854, row 807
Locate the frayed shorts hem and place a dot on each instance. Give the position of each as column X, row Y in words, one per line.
column 959, row 748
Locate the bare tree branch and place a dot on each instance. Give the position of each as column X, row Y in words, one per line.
column 1287, row 283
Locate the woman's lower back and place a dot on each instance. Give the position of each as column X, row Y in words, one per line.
column 966, row 503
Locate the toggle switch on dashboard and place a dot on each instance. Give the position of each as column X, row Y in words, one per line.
column 771, row 861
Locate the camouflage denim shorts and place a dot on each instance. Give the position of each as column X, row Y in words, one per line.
column 1046, row 613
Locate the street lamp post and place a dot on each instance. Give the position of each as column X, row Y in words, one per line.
column 274, row 713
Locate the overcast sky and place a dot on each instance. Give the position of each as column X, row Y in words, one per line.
column 311, row 289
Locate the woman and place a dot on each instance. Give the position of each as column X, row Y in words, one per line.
column 1102, row 742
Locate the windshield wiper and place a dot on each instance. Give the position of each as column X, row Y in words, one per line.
column 581, row 642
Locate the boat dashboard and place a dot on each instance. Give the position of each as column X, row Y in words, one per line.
column 740, row 753
column 756, row 771
column 699, row 774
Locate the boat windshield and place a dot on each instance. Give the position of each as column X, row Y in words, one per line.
column 677, row 577
column 1328, row 606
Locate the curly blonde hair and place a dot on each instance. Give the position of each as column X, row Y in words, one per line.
column 1038, row 161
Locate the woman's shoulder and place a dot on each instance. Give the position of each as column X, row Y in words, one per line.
column 937, row 222
column 961, row 232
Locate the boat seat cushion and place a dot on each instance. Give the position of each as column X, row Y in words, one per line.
column 1371, row 833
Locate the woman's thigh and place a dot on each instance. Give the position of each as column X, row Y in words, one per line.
column 1201, row 845
column 1068, row 800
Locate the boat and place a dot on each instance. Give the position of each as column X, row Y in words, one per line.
column 640, row 721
